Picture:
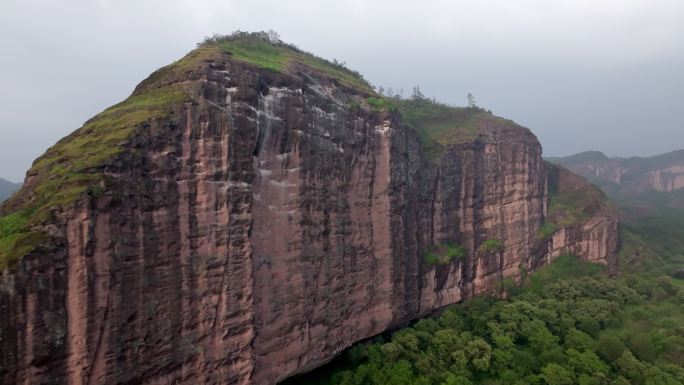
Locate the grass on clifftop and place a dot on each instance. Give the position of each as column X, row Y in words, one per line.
column 266, row 50
column 441, row 125
column 571, row 198
column 72, row 168
column 438, row 124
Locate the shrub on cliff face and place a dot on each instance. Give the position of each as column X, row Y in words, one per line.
column 380, row 104
column 546, row 230
column 443, row 254
column 491, row 246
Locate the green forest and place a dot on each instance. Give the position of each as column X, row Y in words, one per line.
column 567, row 324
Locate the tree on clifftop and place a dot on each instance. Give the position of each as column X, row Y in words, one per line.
column 472, row 103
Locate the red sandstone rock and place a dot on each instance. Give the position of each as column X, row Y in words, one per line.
column 263, row 229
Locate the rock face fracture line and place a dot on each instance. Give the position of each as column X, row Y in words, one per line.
column 97, row 356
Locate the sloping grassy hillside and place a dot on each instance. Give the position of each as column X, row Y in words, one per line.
column 571, row 198
column 441, row 125
column 72, row 168
column 264, row 51
column 285, row 59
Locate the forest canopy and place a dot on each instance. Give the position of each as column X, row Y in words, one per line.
column 569, row 325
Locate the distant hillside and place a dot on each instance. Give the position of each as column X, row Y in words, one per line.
column 649, row 193
column 628, row 177
column 7, row 188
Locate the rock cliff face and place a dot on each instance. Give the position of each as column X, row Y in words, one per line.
column 258, row 224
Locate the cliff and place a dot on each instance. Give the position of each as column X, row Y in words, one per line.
column 252, row 210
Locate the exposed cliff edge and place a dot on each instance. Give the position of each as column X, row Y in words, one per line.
column 251, row 210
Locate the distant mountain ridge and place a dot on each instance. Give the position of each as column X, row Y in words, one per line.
column 649, row 194
column 7, row 188
column 628, row 176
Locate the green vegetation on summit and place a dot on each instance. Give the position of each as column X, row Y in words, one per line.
column 74, row 168
column 441, row 125
column 571, row 199
column 266, row 50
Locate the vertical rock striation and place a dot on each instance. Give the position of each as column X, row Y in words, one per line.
column 261, row 226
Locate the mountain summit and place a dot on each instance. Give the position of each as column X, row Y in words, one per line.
column 252, row 210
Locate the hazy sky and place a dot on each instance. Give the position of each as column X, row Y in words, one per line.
column 582, row 74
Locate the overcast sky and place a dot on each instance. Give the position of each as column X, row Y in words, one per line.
column 582, row 74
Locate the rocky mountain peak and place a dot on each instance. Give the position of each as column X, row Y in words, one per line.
column 251, row 210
